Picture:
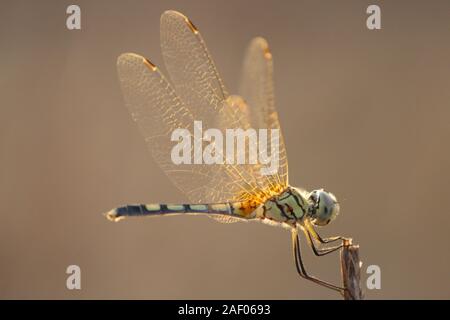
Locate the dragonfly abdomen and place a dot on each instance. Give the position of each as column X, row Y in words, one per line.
column 141, row 210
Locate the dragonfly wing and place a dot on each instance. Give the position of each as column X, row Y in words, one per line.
column 199, row 86
column 199, row 94
column 190, row 65
column 257, row 88
column 158, row 111
column 226, row 219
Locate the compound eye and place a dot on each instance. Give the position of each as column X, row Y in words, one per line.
column 313, row 196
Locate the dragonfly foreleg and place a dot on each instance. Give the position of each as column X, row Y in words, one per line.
column 316, row 236
column 320, row 251
column 301, row 268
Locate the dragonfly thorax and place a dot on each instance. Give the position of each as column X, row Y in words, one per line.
column 293, row 205
column 289, row 207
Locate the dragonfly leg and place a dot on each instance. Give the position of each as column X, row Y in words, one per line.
column 320, row 251
column 301, row 268
column 316, row 236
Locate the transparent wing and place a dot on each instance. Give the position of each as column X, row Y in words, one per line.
column 257, row 88
column 226, row 219
column 158, row 111
column 199, row 86
column 190, row 66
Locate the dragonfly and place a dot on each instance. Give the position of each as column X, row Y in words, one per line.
column 227, row 192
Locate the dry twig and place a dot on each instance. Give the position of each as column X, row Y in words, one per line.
column 351, row 271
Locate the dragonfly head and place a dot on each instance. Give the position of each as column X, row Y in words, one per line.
column 324, row 207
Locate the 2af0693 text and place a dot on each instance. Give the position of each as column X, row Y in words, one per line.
column 225, row 309
column 243, row 309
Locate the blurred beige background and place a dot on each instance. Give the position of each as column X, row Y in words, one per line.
column 372, row 108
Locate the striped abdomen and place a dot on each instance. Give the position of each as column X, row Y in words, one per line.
column 234, row 210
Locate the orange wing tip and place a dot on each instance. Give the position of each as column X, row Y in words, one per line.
column 149, row 64
column 267, row 53
column 112, row 216
column 191, row 25
column 182, row 16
